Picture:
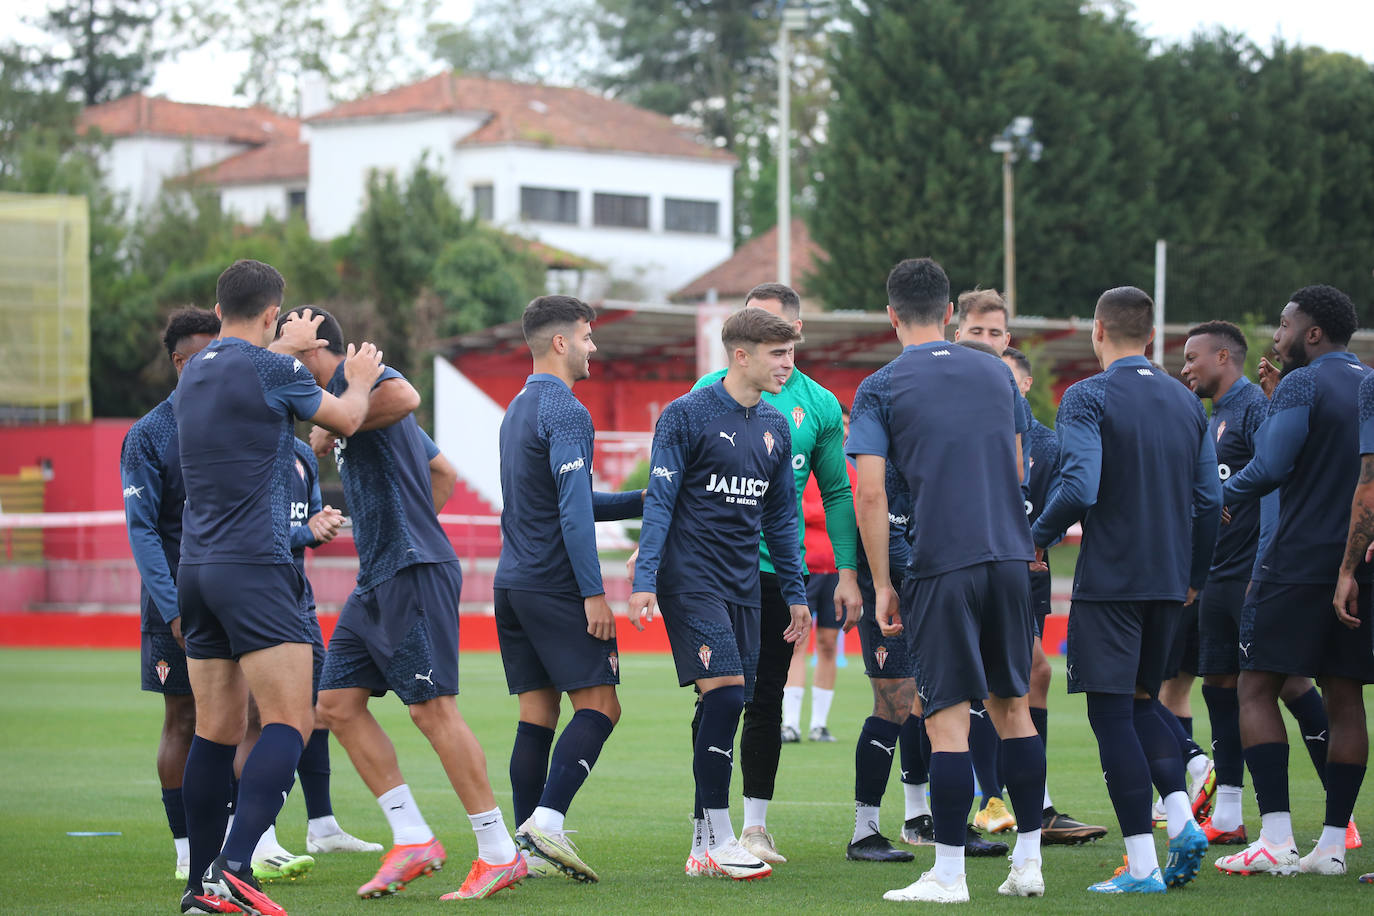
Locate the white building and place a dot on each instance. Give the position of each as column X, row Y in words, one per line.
column 154, row 139
column 622, row 186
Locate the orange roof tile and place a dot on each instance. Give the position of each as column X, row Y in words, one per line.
column 272, row 162
column 755, row 262
column 137, row 114
column 536, row 115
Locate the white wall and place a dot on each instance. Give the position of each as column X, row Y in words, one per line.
column 343, row 152
column 252, row 203
column 467, row 429
column 659, row 261
column 137, row 166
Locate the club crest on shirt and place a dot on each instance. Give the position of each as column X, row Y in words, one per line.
column 1221, row 428
column 163, row 669
column 704, row 653
column 880, row 656
column 300, row 468
column 798, row 415
column 1030, row 461
column 768, row 441
column 614, row 661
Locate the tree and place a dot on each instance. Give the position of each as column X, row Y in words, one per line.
column 106, row 48
column 534, row 41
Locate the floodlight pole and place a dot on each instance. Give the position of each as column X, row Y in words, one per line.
column 784, row 153
column 1009, row 233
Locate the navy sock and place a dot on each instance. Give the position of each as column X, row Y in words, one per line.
column 206, row 791
column 1187, row 723
column 1159, row 741
column 951, row 795
column 1223, row 707
column 267, row 777
column 713, row 758
column 1187, row 747
column 1268, row 765
column 1310, row 712
column 983, row 747
column 878, row 741
column 529, row 768
column 1124, row 766
column 176, row 812
column 313, row 768
column 915, row 764
column 1024, row 768
column 1040, row 716
column 1342, row 788
column 574, row 756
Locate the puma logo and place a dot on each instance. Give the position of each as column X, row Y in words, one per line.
column 586, row 766
column 730, row 436
column 1319, row 736
column 728, row 755
column 426, row 677
column 889, row 750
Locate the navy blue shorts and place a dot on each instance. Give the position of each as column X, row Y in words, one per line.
column 1040, row 599
column 231, row 609
column 545, row 643
column 400, row 635
column 1183, row 655
column 312, row 624
column 1116, row 646
column 1218, row 627
column 711, row 637
column 1292, row 629
column 163, row 664
column 970, row 631
column 820, row 594
column 884, row 656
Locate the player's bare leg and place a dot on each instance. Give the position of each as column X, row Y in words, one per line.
column 823, row 682
column 793, row 694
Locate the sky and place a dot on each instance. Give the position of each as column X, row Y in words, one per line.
column 207, row 75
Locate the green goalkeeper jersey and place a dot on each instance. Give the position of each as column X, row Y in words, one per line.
column 817, row 426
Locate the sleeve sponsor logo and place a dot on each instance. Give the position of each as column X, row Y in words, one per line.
column 577, row 465
column 660, row 471
column 136, row 492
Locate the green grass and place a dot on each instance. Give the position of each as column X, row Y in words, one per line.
column 78, row 755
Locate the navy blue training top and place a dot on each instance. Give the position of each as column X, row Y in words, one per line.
column 1309, row 448
column 150, row 474
column 1366, row 400
column 306, row 502
column 236, row 406
column 721, row 477
column 947, row 417
column 1138, row 467
column 548, row 535
column 1236, row 417
column 1042, row 460
column 386, row 481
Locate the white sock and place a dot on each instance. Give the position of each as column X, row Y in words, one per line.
column 791, row 706
column 1048, row 803
column 1332, row 841
column 548, row 819
column 1226, row 816
column 268, row 845
column 1179, row 812
column 949, row 863
column 820, row 705
column 1197, row 767
column 865, row 821
column 1141, row 857
column 1027, row 847
column 719, row 830
column 698, row 838
column 229, row 825
column 1276, row 828
column 183, row 847
column 408, row 825
column 494, row 845
column 323, row 826
column 755, row 812
column 916, row 801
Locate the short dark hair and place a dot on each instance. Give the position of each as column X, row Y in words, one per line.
column 979, row 346
column 1330, row 309
column 918, row 291
column 546, row 311
column 1233, row 337
column 248, row 288
column 979, row 302
column 780, row 292
column 1126, row 313
column 188, row 322
column 329, row 329
column 1022, row 360
column 753, row 326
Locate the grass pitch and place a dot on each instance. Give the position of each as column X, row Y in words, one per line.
column 77, row 755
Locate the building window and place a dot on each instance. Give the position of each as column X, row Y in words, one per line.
column 691, row 216
column 548, row 205
column 295, row 203
column 483, row 201
column 627, row 211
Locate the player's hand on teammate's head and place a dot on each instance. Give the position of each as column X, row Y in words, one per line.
column 600, row 619
column 642, row 609
column 363, row 364
column 299, row 333
column 801, row 622
column 322, row 441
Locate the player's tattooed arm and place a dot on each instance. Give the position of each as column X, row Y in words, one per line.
column 1359, row 543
